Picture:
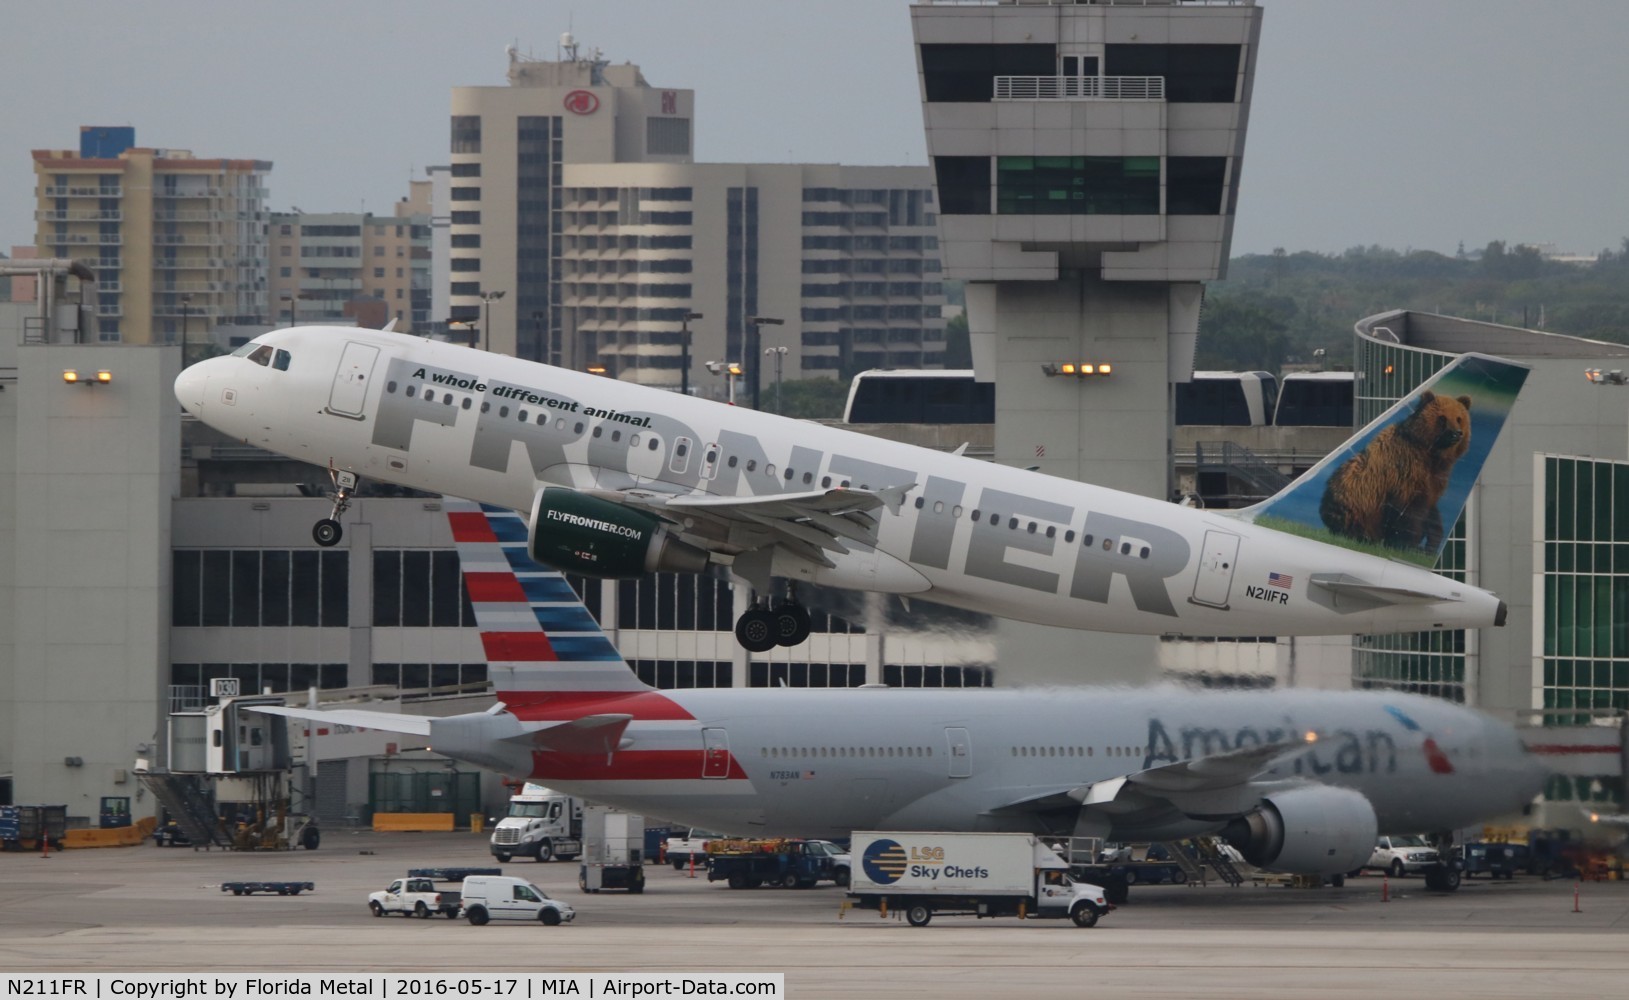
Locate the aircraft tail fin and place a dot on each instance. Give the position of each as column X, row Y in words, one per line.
column 541, row 643
column 1397, row 486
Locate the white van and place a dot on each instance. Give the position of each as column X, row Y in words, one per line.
column 500, row 897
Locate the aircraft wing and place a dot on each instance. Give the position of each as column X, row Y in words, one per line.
column 809, row 524
column 390, row 722
column 1212, row 785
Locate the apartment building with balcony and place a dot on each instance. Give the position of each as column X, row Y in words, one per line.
column 178, row 241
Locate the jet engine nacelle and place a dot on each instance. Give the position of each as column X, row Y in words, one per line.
column 1313, row 830
column 580, row 534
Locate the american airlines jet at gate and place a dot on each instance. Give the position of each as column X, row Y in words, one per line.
column 1300, row 781
column 620, row 480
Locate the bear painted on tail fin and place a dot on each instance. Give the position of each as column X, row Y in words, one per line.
column 1388, row 493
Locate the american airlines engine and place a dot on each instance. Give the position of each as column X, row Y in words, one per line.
column 1312, row 829
column 580, row 534
column 621, row 480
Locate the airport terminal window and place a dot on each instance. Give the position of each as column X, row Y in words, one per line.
column 953, row 73
column 1193, row 185
column 418, row 588
column 1078, row 185
column 914, row 675
column 680, row 674
column 964, row 184
column 420, row 676
column 1193, row 73
column 257, row 677
column 806, row 675
column 675, row 601
column 248, row 588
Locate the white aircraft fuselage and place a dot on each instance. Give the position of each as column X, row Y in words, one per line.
column 970, row 534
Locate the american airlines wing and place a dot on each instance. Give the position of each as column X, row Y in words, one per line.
column 809, row 524
column 590, row 734
column 1216, row 785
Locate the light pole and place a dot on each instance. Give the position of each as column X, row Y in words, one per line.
column 758, row 323
column 684, row 351
column 731, row 371
column 487, row 298
column 780, row 357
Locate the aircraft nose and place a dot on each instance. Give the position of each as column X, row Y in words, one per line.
column 190, row 386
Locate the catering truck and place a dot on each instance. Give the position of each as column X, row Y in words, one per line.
column 968, row 874
column 542, row 825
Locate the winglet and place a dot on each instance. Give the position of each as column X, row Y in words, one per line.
column 1398, row 485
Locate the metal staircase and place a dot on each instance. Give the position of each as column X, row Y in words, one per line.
column 187, row 804
column 1207, row 851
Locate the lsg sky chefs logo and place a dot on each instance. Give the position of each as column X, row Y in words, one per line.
column 582, row 102
column 884, row 862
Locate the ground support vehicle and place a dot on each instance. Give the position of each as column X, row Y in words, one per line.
column 503, row 897
column 542, row 825
column 969, row 874
column 1404, row 855
column 280, row 888
column 1494, row 859
column 784, row 861
column 613, row 850
column 21, row 827
column 415, row 897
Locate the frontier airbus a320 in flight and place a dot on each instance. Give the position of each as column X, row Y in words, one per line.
column 1299, row 781
column 621, row 480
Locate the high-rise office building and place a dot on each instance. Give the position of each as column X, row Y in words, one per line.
column 178, row 242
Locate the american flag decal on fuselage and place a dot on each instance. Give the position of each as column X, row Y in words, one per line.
column 1280, row 580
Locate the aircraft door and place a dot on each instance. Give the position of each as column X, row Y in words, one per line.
column 1216, row 564
column 715, row 753
column 959, row 749
column 350, row 389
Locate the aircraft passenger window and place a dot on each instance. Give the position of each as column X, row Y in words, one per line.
column 1086, row 540
column 281, row 361
column 1069, row 536
column 956, row 511
column 579, row 429
column 542, row 420
column 938, row 506
column 1051, row 531
column 410, row 391
column 1108, row 545
column 467, row 402
column 446, row 399
column 599, row 431
column 1144, row 553
column 1088, row 751
column 1125, row 548
column 521, row 416
column 1012, row 524
column 616, row 435
column 485, row 407
column 429, row 397
column 732, row 462
column 633, row 441
column 846, row 482
column 788, row 475
column 1032, row 527
column 559, row 423
column 752, row 464
column 390, row 386
column 920, row 503
column 808, row 477
column 262, row 355
column 503, row 411
column 825, row 482
column 769, row 469
column 654, row 444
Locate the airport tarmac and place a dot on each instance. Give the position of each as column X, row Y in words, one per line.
column 161, row 910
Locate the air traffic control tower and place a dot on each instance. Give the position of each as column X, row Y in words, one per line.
column 1086, row 157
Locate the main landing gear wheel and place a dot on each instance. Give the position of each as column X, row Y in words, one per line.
column 755, row 630
column 791, row 624
column 327, row 532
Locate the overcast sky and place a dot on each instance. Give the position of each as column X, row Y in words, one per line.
column 1407, row 123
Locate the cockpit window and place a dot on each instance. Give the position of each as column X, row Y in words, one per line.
column 282, row 360
column 245, row 350
column 261, row 355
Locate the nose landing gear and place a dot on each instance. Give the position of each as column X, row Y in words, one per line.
column 327, row 532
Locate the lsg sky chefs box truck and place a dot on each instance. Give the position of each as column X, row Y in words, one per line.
column 968, row 874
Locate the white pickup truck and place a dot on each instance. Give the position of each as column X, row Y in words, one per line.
column 416, row 897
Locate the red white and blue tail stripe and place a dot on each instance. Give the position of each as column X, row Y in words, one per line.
column 539, row 638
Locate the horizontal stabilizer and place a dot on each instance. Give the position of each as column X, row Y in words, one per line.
column 590, row 734
column 390, row 722
column 1341, row 583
